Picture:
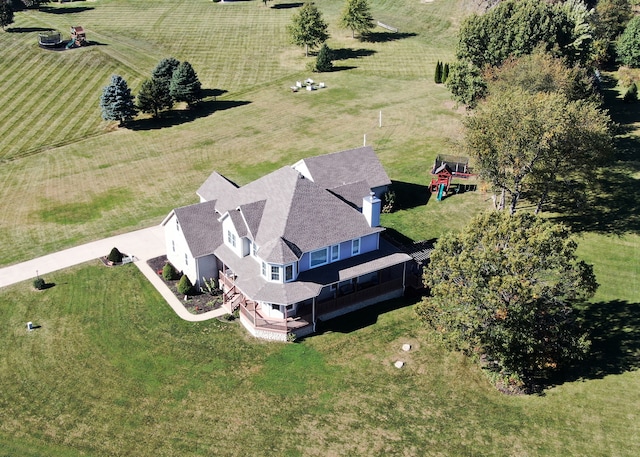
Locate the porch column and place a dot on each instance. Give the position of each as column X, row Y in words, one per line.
column 313, row 313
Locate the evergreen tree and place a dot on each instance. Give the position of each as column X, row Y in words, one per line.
column 116, row 102
column 356, row 16
column 445, row 73
column 163, row 74
column 185, row 85
column 184, row 285
column 323, row 61
column 307, row 28
column 152, row 97
column 6, row 13
column 629, row 44
column 438, row 73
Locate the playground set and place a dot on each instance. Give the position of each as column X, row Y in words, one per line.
column 445, row 168
column 52, row 39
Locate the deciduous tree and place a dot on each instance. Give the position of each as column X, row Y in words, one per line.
column 505, row 288
column 185, row 85
column 515, row 28
column 307, row 28
column 356, row 16
column 116, row 102
column 527, row 142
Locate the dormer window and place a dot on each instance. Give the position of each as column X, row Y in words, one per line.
column 275, row 273
column 355, row 247
column 264, row 269
column 231, row 238
column 254, row 249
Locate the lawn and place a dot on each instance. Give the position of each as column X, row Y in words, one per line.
column 112, row 371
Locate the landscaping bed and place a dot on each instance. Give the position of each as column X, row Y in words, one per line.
column 197, row 303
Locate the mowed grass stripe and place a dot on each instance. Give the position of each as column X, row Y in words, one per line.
column 50, row 81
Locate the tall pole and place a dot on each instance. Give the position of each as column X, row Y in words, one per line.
column 380, row 121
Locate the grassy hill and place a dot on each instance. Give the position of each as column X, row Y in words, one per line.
column 113, row 372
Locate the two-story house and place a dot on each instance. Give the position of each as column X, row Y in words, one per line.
column 293, row 247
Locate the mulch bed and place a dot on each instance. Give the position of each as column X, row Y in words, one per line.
column 196, row 304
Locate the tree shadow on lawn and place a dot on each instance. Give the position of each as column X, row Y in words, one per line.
column 177, row 117
column 71, row 10
column 349, row 53
column 614, row 330
column 284, row 6
column 384, row 37
column 608, row 203
column 27, row 29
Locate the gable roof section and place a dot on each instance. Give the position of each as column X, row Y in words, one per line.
column 347, row 167
column 216, row 187
column 200, row 226
column 252, row 214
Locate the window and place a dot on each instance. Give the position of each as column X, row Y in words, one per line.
column 355, row 247
column 231, row 238
column 254, row 249
column 289, row 307
column 177, row 225
column 275, row 273
column 264, row 269
column 288, row 273
column 335, row 252
column 318, row 258
column 186, row 260
column 173, row 245
column 275, row 307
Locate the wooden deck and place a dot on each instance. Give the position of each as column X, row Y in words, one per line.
column 253, row 313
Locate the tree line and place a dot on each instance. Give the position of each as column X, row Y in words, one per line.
column 507, row 288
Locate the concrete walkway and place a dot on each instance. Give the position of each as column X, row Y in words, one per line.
column 143, row 244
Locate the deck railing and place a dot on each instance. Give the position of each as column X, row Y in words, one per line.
column 251, row 311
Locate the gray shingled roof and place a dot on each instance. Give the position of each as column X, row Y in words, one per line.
column 285, row 213
column 346, row 167
column 352, row 193
column 300, row 213
column 201, row 228
column 215, row 187
column 252, row 214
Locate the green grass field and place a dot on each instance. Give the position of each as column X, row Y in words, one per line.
column 112, row 371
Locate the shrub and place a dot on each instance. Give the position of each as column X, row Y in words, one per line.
column 169, row 272
column 389, row 201
column 210, row 286
column 39, row 283
column 115, row 256
column 184, row 286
